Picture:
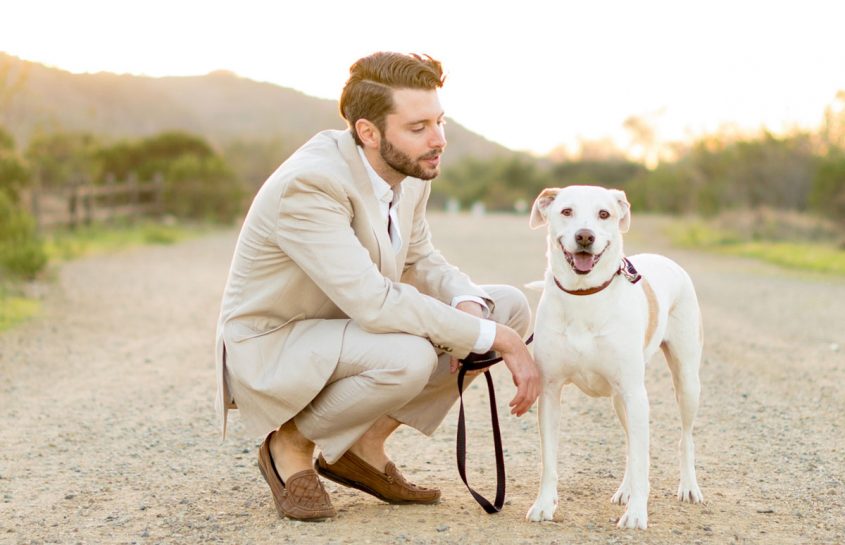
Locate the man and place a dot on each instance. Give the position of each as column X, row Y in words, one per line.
column 339, row 320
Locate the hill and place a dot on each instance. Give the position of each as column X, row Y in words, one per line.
column 221, row 106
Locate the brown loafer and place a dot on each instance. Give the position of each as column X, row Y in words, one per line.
column 390, row 486
column 303, row 497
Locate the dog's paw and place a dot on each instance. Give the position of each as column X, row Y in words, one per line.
column 689, row 492
column 623, row 495
column 635, row 516
column 543, row 509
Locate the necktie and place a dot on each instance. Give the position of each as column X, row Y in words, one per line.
column 390, row 221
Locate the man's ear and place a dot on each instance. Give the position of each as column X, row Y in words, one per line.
column 624, row 210
column 541, row 203
column 368, row 133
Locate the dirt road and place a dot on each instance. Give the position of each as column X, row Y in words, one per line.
column 107, row 430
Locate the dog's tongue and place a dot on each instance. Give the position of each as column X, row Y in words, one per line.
column 583, row 261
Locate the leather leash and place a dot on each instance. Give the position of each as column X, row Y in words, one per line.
column 474, row 362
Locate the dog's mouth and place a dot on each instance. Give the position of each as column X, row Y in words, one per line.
column 582, row 262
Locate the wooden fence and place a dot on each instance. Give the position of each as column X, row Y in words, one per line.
column 84, row 204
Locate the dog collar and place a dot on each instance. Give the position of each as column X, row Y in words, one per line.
column 626, row 269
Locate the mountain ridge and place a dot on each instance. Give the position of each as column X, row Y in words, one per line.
column 220, row 106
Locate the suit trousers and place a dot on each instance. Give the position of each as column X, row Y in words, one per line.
column 394, row 374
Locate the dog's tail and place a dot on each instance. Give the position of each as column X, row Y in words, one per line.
column 537, row 285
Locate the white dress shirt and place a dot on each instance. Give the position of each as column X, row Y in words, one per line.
column 388, row 198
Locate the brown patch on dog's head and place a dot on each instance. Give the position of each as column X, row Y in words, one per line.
column 541, row 203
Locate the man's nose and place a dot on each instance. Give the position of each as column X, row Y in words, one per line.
column 438, row 137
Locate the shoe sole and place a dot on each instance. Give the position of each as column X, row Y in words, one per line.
column 364, row 488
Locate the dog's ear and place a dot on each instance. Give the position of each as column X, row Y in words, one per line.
column 538, row 211
column 624, row 210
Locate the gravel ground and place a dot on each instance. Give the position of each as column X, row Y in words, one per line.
column 108, row 434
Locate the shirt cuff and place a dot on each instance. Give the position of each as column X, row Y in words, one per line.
column 485, row 337
column 461, row 298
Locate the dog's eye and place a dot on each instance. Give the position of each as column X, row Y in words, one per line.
column 566, row 211
column 604, row 214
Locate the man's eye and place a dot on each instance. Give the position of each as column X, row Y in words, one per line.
column 566, row 211
column 604, row 214
column 418, row 129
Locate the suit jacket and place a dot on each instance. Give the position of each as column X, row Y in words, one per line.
column 314, row 253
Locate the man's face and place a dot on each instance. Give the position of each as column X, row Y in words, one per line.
column 413, row 137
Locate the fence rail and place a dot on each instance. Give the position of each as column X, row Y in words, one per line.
column 84, row 204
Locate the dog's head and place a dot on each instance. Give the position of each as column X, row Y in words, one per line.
column 585, row 228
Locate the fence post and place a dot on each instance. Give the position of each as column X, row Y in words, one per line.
column 132, row 190
column 72, row 205
column 108, row 198
column 34, row 204
column 158, row 194
column 88, row 205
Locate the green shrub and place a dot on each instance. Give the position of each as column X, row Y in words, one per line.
column 21, row 251
column 202, row 188
column 828, row 195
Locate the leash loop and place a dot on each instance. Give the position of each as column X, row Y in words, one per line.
column 475, row 362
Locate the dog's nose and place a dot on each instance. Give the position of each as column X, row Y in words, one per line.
column 585, row 238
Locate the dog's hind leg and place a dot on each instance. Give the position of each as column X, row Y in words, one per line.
column 683, row 354
column 623, row 494
column 548, row 417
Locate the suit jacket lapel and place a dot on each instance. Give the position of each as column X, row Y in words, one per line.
column 387, row 258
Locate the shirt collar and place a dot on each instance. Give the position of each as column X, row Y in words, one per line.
column 382, row 189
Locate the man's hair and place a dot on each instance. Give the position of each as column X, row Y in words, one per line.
column 368, row 93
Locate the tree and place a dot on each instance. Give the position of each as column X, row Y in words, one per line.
column 62, row 159
column 499, row 183
column 147, row 157
column 21, row 251
column 202, row 188
column 828, row 194
column 14, row 175
column 198, row 183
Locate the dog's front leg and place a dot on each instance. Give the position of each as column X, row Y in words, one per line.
column 549, row 422
column 623, row 493
column 636, row 412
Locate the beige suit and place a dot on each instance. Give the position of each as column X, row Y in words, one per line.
column 312, row 255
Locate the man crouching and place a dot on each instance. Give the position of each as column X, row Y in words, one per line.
column 339, row 320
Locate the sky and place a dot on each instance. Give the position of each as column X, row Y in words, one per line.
column 531, row 75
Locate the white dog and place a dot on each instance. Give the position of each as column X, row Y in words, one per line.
column 600, row 319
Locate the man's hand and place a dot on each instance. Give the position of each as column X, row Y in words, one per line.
column 526, row 376
column 470, row 307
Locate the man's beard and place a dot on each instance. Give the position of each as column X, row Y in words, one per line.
column 403, row 164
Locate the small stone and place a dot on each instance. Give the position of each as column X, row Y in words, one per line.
column 442, row 528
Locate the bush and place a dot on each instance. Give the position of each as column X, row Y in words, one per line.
column 14, row 175
column 202, row 188
column 828, row 195
column 21, row 250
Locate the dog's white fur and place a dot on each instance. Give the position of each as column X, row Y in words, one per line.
column 601, row 342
